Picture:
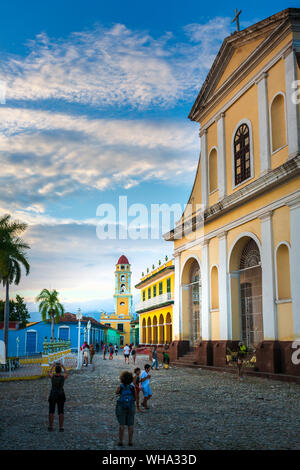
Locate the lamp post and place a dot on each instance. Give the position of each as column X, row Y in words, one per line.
column 17, row 341
column 89, row 329
column 78, row 317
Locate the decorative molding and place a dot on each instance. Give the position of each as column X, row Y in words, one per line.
column 285, row 201
column 279, row 175
column 261, row 77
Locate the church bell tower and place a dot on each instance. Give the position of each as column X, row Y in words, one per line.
column 123, row 296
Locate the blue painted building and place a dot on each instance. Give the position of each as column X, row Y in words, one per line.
column 32, row 337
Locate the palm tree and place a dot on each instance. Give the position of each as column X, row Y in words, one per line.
column 12, row 258
column 50, row 307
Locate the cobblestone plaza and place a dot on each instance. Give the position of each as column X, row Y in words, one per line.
column 190, row 409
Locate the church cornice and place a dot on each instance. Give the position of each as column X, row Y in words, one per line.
column 273, row 178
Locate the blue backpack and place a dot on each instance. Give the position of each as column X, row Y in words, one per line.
column 126, row 398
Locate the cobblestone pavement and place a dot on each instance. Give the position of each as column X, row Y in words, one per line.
column 190, row 409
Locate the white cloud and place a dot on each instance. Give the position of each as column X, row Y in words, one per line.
column 46, row 154
column 114, row 66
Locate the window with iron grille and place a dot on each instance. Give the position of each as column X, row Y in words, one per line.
column 242, row 169
column 144, row 295
column 154, row 291
column 149, row 292
column 169, row 285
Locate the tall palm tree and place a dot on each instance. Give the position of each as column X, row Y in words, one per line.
column 50, row 307
column 12, row 258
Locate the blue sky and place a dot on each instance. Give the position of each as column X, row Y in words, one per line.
column 97, row 98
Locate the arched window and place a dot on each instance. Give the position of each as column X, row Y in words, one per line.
column 283, row 272
column 123, row 277
column 213, row 170
column 214, row 288
column 242, row 166
column 278, row 130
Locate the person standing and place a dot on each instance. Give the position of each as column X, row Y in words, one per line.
column 125, row 407
column 104, row 350
column 116, row 349
column 145, row 384
column 86, row 350
column 92, row 352
column 154, row 358
column 111, row 351
column 57, row 394
column 137, row 384
column 97, row 347
column 126, row 352
column 133, row 353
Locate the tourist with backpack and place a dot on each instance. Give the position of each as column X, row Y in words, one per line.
column 125, row 407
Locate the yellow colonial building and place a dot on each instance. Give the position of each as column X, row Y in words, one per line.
column 156, row 307
column 123, row 304
column 236, row 248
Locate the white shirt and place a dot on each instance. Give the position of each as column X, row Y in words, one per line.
column 126, row 350
column 145, row 382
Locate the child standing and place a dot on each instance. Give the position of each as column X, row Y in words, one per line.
column 125, row 408
column 137, row 384
column 145, row 384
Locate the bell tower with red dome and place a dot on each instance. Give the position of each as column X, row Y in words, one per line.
column 123, row 296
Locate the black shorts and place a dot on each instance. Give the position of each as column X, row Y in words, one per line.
column 60, row 406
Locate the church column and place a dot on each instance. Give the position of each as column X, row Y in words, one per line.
column 177, row 320
column 225, row 325
column 206, row 322
column 264, row 128
column 203, row 162
column 268, row 278
column 295, row 264
column 221, row 156
column 293, row 126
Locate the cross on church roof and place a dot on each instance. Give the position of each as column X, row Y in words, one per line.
column 236, row 18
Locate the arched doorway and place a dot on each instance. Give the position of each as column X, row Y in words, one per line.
column 246, row 292
column 144, row 330
column 169, row 336
column 191, row 301
column 161, row 329
column 155, row 330
column 149, row 331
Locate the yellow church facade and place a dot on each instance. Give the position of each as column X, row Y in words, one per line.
column 156, row 307
column 236, row 248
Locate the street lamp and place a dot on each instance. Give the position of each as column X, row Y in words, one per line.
column 79, row 318
column 89, row 329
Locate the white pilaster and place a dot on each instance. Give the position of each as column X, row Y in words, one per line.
column 221, row 156
column 264, row 127
column 177, row 314
column 295, row 264
column 203, row 164
column 293, row 126
column 268, row 278
column 206, row 323
column 225, row 324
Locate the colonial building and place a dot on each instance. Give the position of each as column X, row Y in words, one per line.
column 237, row 264
column 123, row 303
column 156, row 307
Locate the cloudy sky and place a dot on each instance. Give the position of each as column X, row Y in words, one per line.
column 96, row 102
